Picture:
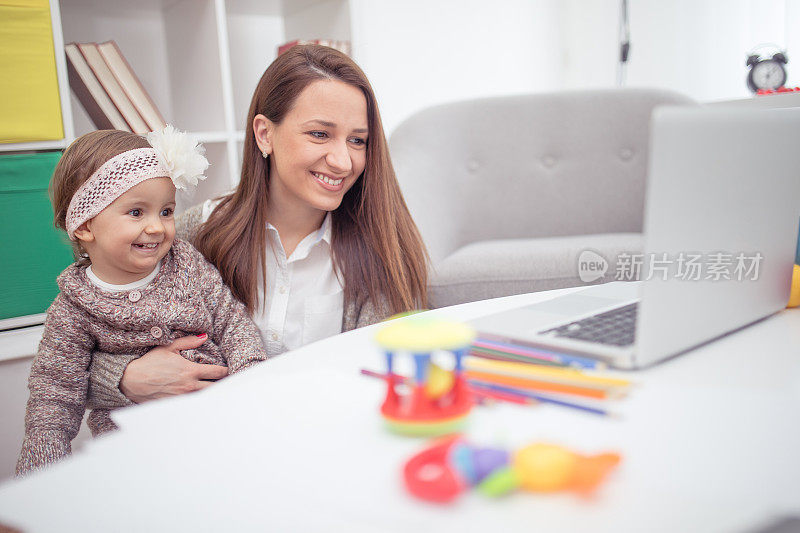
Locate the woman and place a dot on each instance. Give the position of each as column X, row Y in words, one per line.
column 315, row 240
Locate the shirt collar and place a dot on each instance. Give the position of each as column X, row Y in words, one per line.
column 311, row 240
column 325, row 231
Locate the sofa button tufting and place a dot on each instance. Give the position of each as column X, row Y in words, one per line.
column 549, row 161
column 626, row 154
column 472, row 165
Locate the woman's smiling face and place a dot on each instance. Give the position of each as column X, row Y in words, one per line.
column 319, row 149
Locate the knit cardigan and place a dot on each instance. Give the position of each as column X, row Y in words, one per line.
column 106, row 372
column 186, row 297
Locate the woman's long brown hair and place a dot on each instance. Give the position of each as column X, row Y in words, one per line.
column 377, row 249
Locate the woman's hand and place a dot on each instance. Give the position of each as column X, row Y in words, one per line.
column 162, row 372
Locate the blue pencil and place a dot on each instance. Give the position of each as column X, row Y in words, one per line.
column 539, row 397
column 478, row 385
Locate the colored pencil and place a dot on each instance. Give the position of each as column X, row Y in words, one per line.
column 536, row 385
column 571, row 376
column 509, row 394
column 537, row 353
column 502, row 396
column 483, row 393
column 502, row 356
column 539, row 397
column 373, row 374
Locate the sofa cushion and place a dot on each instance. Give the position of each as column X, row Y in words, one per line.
column 490, row 269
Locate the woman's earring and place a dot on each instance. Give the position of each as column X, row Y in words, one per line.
column 265, row 154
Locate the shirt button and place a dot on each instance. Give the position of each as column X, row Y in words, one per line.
column 274, row 336
column 134, row 296
column 156, row 332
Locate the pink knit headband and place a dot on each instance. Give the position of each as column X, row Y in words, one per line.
column 111, row 181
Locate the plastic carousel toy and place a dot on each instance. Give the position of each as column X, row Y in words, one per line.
column 436, row 400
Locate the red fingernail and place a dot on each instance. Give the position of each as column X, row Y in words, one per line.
column 202, row 335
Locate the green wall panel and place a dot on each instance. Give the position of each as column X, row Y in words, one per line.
column 33, row 251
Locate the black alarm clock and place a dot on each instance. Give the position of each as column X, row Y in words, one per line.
column 767, row 73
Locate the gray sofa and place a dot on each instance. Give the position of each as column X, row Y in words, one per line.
column 508, row 192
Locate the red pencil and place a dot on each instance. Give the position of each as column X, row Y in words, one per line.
column 503, row 396
column 482, row 392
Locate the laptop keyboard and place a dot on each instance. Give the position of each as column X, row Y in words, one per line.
column 616, row 327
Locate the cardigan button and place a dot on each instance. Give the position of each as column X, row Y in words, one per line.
column 156, row 332
column 134, row 296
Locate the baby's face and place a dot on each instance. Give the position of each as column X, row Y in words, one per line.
column 129, row 237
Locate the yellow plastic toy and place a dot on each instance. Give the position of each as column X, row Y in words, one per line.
column 434, row 401
column 548, row 468
column 794, row 296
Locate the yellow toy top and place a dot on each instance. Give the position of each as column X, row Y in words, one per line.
column 421, row 334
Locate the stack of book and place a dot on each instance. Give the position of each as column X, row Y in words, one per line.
column 109, row 90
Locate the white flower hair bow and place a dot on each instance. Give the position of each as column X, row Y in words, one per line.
column 183, row 157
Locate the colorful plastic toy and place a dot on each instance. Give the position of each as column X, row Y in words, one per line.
column 435, row 401
column 450, row 466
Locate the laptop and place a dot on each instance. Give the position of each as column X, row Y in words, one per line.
column 720, row 232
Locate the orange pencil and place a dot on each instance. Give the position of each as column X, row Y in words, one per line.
column 544, row 386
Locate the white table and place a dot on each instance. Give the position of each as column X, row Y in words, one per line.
column 710, row 442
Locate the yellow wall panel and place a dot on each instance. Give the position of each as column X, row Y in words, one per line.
column 30, row 108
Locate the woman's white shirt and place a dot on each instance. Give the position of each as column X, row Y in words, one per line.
column 304, row 297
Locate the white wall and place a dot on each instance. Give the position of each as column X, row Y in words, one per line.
column 419, row 53
column 329, row 19
column 697, row 47
column 254, row 40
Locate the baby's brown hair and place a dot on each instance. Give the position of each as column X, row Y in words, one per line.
column 81, row 159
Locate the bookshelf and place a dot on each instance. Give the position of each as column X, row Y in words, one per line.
column 199, row 60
